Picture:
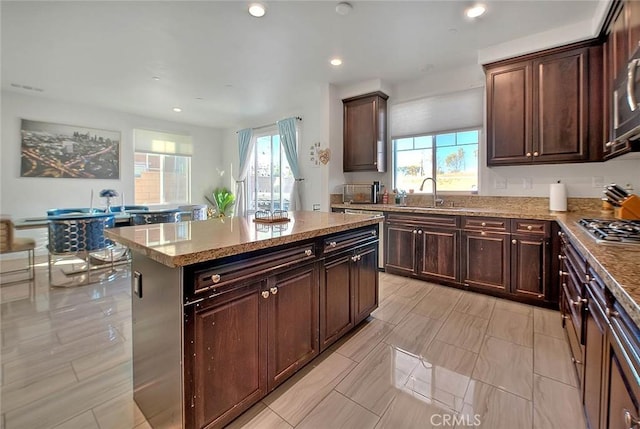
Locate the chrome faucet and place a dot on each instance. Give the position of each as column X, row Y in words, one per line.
column 436, row 200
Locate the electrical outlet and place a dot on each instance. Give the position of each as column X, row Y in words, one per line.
column 597, row 182
column 527, row 183
column 500, row 183
column 316, row 207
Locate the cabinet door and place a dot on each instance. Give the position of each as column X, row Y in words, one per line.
column 485, row 260
column 622, row 404
column 227, row 359
column 365, row 133
column 529, row 260
column 633, row 21
column 595, row 325
column 336, row 290
column 400, row 252
column 509, row 114
column 561, row 103
column 439, row 250
column 293, row 322
column 619, row 37
column 365, row 281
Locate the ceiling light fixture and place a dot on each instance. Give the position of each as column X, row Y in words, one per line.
column 155, row 78
column 475, row 11
column 177, row 109
column 343, row 8
column 258, row 10
column 336, row 62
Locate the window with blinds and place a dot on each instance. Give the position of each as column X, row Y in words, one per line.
column 437, row 137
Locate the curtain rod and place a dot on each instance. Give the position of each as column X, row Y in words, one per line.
column 268, row 125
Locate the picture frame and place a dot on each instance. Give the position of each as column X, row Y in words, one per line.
column 68, row 151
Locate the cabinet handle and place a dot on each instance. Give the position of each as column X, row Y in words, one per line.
column 608, row 144
column 611, row 313
column 540, row 296
column 630, row 421
column 529, row 227
column 354, row 258
column 587, row 278
column 333, row 244
column 560, row 234
column 215, row 278
column 528, row 154
column 564, row 316
column 274, row 290
column 563, row 273
column 308, row 252
column 265, row 294
column 561, row 257
column 483, row 224
column 576, row 361
column 514, row 241
column 579, row 301
column 631, row 78
column 535, row 153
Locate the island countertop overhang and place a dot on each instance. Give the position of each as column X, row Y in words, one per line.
column 186, row 243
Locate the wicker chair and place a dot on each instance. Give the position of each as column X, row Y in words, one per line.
column 196, row 212
column 78, row 235
column 11, row 244
column 118, row 209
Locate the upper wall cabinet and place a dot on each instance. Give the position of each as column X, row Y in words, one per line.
column 541, row 108
column 365, row 132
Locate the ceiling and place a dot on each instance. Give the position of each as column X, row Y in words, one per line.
column 223, row 67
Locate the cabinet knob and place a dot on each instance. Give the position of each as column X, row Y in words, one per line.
column 587, row 278
column 265, row 294
column 514, row 241
column 528, row 154
column 563, row 273
column 358, row 257
column 375, row 162
column 608, row 144
column 560, row 234
column 308, row 252
column 561, row 257
column 354, row 258
column 483, row 224
column 535, row 154
column 415, row 231
column 540, row 296
column 215, row 278
column 333, row 244
column 630, row 421
column 274, row 290
column 529, row 227
column 576, row 361
column 419, row 231
column 611, row 313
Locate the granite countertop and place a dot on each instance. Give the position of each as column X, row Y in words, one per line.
column 617, row 265
column 185, row 243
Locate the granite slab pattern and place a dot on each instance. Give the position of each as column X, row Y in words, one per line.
column 185, row 243
column 617, row 265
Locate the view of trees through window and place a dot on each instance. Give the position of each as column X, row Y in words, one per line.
column 451, row 158
column 269, row 180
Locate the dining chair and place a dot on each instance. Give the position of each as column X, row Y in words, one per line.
column 118, row 209
column 11, row 244
column 78, row 235
column 143, row 217
column 196, row 211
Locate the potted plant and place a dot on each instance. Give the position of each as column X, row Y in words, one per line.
column 224, row 200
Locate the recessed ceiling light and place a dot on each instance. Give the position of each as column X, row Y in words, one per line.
column 257, row 10
column 336, row 62
column 343, row 8
column 199, row 98
column 155, row 78
column 475, row 11
column 177, row 109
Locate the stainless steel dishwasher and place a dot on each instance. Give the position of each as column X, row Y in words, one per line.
column 380, row 235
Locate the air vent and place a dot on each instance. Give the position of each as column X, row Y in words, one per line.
column 27, row 87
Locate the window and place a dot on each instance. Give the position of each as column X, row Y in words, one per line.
column 162, row 168
column 269, row 180
column 450, row 158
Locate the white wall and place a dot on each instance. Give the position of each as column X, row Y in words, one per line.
column 32, row 196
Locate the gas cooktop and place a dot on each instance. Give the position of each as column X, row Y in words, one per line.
column 613, row 231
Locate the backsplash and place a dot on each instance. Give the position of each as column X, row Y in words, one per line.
column 477, row 201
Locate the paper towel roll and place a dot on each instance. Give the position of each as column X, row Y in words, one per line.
column 558, row 197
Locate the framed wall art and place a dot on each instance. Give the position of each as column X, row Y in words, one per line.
column 55, row 150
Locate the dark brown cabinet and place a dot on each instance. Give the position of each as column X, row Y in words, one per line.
column 540, row 108
column 336, row 311
column 595, row 330
column 486, row 260
column 530, row 258
column 365, row 132
column 423, row 246
column 365, row 279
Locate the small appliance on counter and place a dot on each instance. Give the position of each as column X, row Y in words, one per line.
column 362, row 193
column 625, row 205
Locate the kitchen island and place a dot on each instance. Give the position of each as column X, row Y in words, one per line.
column 227, row 309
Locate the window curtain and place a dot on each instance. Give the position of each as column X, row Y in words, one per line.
column 246, row 142
column 287, row 130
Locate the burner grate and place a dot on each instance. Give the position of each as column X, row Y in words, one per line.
column 613, row 231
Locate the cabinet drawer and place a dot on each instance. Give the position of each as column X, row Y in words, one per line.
column 577, row 353
column 349, row 240
column 530, row 226
column 574, row 307
column 441, row 221
column 223, row 277
column 572, row 257
column 497, row 224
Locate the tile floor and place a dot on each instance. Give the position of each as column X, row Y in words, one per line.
column 430, row 356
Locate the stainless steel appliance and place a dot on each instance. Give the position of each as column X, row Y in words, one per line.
column 626, row 104
column 380, row 235
column 613, row 230
column 360, row 193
